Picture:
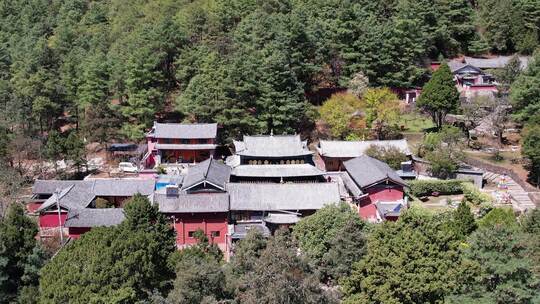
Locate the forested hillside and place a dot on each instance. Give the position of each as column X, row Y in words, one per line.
column 109, row 67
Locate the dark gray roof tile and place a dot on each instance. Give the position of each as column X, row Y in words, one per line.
column 184, row 131
column 288, row 196
column 89, row 217
column 272, row 146
column 192, row 203
column 367, row 171
column 210, row 171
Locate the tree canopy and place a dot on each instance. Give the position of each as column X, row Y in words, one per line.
column 20, row 255
column 412, row 260
column 119, row 264
column 440, row 96
column 244, row 64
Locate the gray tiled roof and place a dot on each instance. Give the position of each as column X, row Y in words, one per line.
column 348, row 149
column 79, row 194
column 210, row 171
column 347, row 185
column 192, row 203
column 49, row 186
column 367, row 171
column 185, row 131
column 89, row 217
column 276, row 170
column 498, row 62
column 272, row 146
column 123, row 187
column 288, row 196
column 75, row 196
column 185, row 146
column 455, row 65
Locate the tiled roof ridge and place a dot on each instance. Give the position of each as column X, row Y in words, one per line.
column 208, row 168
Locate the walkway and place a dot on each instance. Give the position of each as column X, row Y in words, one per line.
column 520, row 198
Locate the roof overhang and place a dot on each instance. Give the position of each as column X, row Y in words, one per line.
column 185, row 146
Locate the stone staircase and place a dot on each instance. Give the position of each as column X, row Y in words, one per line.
column 520, row 197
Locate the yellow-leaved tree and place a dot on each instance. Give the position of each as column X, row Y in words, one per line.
column 343, row 114
column 382, row 111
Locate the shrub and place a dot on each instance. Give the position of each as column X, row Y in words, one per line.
column 426, row 187
column 499, row 217
column 103, row 203
column 393, row 156
column 472, row 195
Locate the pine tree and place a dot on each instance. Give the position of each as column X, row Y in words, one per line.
column 17, row 243
column 501, row 269
column 416, row 247
column 463, row 220
column 531, row 149
column 125, row 263
column 525, row 91
column 439, row 96
column 291, row 280
column 346, row 248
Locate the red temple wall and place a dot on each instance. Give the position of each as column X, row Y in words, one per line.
column 207, row 222
column 50, row 220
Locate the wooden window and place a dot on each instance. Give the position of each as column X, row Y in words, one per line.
column 191, row 234
column 215, row 233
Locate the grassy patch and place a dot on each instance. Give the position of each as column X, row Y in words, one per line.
column 415, row 122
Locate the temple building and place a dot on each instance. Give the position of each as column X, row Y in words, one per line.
column 334, row 152
column 377, row 190
column 272, row 150
column 170, row 143
column 199, row 202
column 273, row 159
column 277, row 173
column 278, row 204
column 75, row 195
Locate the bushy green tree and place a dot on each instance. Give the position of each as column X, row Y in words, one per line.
column 501, row 271
column 463, row 221
column 118, row 264
column 413, row 260
column 509, row 73
column 199, row 273
column 392, row 156
column 20, row 256
column 316, row 233
column 346, row 248
column 443, row 150
column 509, row 25
column 499, row 217
column 439, row 96
column 338, row 113
column 382, row 110
column 531, row 221
column 525, row 91
column 280, row 275
column 246, row 254
column 531, row 149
